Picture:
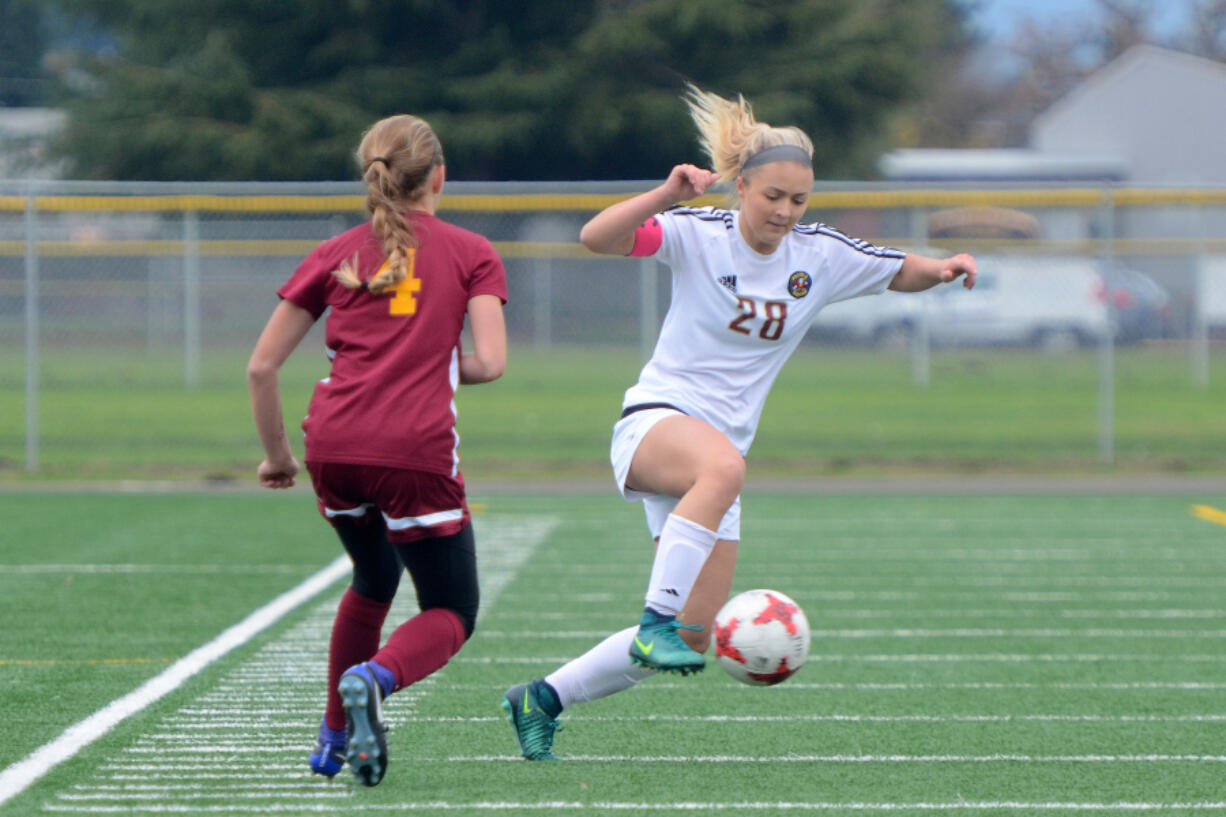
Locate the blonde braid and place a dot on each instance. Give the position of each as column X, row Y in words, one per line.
column 397, row 156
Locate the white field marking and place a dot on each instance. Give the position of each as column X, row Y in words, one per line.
column 191, row 744
column 20, row 775
column 827, row 613
column 319, row 793
column 851, row 581
column 293, row 777
column 1166, row 613
column 197, row 786
column 1024, row 632
column 131, row 766
column 686, row 807
column 911, row 632
column 1008, row 596
column 914, row 658
column 1022, row 552
column 847, row 718
column 901, row 686
column 795, row 758
column 142, row 569
column 193, row 769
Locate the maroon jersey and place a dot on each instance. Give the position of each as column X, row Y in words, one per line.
column 395, row 357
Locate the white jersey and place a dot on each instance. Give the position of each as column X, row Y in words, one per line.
column 736, row 315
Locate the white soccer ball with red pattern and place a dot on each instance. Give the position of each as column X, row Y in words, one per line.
column 761, row 637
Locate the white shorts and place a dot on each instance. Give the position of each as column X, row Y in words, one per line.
column 627, row 434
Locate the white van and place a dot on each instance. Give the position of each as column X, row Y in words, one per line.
column 1055, row 302
column 1211, row 294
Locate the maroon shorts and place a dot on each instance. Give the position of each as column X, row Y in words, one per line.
column 415, row 504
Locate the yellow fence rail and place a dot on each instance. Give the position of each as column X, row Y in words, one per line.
column 575, row 202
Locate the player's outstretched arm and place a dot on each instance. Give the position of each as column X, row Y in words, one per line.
column 611, row 231
column 920, row 272
column 285, row 329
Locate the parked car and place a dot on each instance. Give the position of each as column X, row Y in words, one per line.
column 1053, row 302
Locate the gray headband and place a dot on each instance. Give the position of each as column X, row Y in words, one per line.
column 778, row 153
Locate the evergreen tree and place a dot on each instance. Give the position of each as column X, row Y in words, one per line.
column 587, row 89
column 22, row 41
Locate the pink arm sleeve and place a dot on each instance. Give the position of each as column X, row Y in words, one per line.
column 647, row 239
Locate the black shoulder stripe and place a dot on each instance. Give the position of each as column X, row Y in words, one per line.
column 866, row 247
column 704, row 214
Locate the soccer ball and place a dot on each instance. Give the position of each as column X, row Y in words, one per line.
column 761, row 637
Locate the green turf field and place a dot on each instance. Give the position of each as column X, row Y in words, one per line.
column 1004, row 655
column 118, row 414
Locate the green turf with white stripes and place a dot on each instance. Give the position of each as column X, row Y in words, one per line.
column 971, row 655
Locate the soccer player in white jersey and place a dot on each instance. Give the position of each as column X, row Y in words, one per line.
column 746, row 285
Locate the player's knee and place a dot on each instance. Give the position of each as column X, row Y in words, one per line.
column 464, row 615
column 468, row 620
column 376, row 585
column 726, row 472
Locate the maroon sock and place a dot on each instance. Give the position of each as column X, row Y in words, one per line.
column 355, row 638
column 422, row 645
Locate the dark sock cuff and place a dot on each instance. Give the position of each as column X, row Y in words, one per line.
column 384, row 676
column 548, row 699
column 337, row 737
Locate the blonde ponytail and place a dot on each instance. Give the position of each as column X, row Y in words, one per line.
column 729, row 133
column 397, row 156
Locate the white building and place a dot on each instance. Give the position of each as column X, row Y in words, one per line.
column 24, row 134
column 1161, row 113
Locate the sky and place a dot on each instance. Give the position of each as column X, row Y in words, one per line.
column 997, row 18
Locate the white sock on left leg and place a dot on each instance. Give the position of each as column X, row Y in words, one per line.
column 683, row 550
column 599, row 672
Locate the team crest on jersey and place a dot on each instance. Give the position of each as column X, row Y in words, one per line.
column 799, row 283
column 728, row 281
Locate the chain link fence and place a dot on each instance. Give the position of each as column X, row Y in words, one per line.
column 127, row 312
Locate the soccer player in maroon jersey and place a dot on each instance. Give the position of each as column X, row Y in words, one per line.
column 381, row 442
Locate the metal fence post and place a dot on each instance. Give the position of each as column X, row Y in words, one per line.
column 1200, row 294
column 191, row 298
column 921, row 338
column 542, row 307
column 31, row 330
column 1106, row 341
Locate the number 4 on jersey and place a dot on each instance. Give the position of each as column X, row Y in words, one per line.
column 404, row 301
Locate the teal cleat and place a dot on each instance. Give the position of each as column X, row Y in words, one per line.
column 534, row 728
column 657, row 645
column 363, row 701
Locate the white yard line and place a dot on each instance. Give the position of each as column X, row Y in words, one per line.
column 688, row 807
column 848, row 717
column 126, row 569
column 919, row 658
column 181, row 767
column 1043, row 633
column 884, row 759
column 16, row 778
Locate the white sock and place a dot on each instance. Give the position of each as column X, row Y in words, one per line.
column 683, row 549
column 602, row 670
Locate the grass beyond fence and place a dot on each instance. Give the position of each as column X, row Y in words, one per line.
column 126, row 414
